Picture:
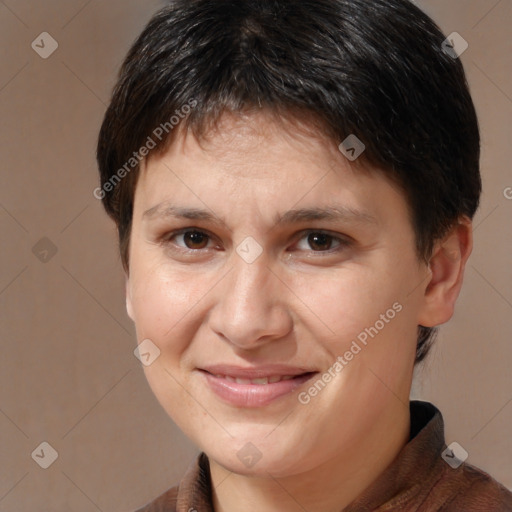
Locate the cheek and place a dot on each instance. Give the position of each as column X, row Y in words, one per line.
column 162, row 303
column 347, row 301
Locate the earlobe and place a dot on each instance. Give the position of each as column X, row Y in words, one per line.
column 129, row 307
column 446, row 268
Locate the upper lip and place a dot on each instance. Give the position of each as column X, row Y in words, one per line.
column 254, row 372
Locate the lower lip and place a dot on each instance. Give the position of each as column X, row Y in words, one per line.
column 253, row 395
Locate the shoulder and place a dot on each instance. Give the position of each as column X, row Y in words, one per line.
column 469, row 489
column 166, row 502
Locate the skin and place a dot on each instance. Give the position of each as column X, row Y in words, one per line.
column 300, row 303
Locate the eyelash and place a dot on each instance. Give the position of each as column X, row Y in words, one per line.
column 343, row 241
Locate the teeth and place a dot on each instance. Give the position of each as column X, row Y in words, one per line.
column 242, row 381
column 260, row 381
column 263, row 380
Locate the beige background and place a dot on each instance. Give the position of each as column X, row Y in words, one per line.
column 68, row 375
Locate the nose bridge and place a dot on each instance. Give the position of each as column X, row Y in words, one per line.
column 250, row 306
column 250, row 288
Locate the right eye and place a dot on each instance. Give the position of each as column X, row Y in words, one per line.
column 192, row 239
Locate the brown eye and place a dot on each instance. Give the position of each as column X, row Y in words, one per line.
column 320, row 241
column 195, row 239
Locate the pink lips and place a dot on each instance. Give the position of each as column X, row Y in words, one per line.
column 256, row 386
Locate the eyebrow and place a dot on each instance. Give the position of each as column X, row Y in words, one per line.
column 333, row 214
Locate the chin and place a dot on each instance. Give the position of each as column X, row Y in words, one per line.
column 251, row 459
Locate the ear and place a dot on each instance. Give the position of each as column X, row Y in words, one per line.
column 446, row 267
column 129, row 307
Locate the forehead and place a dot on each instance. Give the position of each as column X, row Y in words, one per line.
column 264, row 164
column 257, row 145
column 258, row 136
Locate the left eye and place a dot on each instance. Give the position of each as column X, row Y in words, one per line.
column 322, row 242
column 193, row 239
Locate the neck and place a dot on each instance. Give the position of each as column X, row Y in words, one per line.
column 329, row 487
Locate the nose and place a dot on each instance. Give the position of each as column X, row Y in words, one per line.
column 251, row 305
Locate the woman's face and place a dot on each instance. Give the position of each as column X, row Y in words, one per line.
column 232, row 270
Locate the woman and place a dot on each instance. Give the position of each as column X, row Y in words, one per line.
column 294, row 184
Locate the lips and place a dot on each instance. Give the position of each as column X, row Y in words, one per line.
column 254, row 386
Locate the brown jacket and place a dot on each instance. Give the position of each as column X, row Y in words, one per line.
column 419, row 479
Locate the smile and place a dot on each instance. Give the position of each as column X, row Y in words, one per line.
column 254, row 392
